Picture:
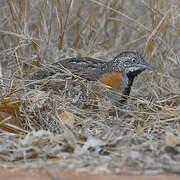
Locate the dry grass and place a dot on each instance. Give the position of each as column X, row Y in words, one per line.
column 145, row 138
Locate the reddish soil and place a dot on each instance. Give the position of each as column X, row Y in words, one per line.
column 72, row 174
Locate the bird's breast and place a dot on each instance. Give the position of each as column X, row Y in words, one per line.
column 112, row 79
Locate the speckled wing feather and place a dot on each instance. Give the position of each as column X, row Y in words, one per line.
column 87, row 68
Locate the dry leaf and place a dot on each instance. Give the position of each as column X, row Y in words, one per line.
column 10, row 107
column 170, row 140
column 140, row 132
column 5, row 100
column 8, row 111
column 6, row 120
column 68, row 118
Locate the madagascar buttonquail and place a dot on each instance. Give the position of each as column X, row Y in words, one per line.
column 79, row 77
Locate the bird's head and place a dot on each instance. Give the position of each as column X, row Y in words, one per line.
column 132, row 63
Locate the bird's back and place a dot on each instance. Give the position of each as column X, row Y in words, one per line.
column 83, row 67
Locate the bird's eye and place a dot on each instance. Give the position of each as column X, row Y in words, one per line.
column 134, row 60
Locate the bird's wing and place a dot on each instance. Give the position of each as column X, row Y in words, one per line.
column 86, row 67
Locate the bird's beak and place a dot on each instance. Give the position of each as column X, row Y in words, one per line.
column 145, row 65
column 141, row 67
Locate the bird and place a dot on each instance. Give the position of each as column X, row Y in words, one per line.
column 80, row 77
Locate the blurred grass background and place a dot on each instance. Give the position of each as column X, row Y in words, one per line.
column 33, row 33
